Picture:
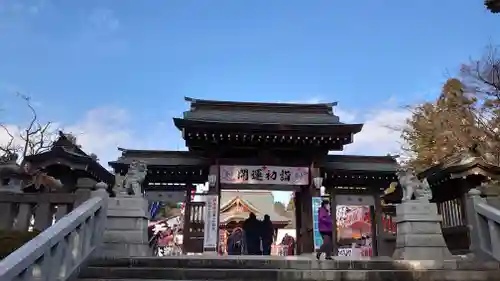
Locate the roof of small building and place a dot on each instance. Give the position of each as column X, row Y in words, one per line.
column 461, row 164
column 63, row 148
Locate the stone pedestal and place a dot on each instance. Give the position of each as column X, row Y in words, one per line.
column 419, row 235
column 126, row 233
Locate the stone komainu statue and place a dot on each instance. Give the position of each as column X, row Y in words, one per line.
column 411, row 185
column 136, row 174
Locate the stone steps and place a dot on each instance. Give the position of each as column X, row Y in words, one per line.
column 291, row 275
column 273, row 269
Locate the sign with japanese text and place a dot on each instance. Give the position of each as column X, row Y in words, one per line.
column 345, row 252
column 357, row 214
column 211, row 224
column 264, row 175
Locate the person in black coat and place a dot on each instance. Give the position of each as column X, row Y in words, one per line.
column 251, row 228
column 267, row 235
column 235, row 242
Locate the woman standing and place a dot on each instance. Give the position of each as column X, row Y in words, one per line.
column 325, row 229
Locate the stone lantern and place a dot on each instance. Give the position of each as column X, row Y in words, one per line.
column 11, row 174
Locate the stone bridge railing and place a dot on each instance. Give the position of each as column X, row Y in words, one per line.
column 39, row 211
column 58, row 252
column 485, row 226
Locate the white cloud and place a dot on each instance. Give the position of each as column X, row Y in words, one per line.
column 103, row 18
column 102, row 130
column 378, row 136
column 345, row 116
column 98, row 34
column 15, row 8
column 15, row 16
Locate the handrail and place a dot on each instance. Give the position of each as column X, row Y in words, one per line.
column 490, row 232
column 22, row 211
column 487, row 226
column 488, row 211
column 58, row 252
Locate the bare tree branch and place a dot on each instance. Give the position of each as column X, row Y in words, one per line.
column 9, row 149
column 37, row 137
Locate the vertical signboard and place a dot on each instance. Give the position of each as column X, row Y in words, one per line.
column 211, row 211
column 316, row 204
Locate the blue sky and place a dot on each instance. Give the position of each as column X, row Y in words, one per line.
column 115, row 72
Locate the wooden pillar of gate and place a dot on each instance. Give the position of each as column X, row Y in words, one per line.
column 297, row 201
column 333, row 214
column 306, row 227
column 313, row 191
column 187, row 219
column 376, row 222
column 304, row 219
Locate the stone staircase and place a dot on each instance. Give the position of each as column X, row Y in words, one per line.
column 276, row 268
column 69, row 250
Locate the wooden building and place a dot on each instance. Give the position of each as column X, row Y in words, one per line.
column 236, row 206
column 450, row 182
column 67, row 162
column 264, row 146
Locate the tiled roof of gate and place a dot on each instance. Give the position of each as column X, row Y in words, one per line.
column 261, row 112
column 160, row 158
column 361, row 163
column 187, row 158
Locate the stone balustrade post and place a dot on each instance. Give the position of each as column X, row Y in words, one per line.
column 419, row 235
column 126, row 232
column 100, row 191
column 83, row 195
column 479, row 228
column 473, row 196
